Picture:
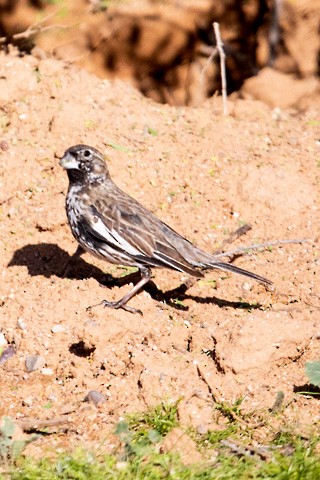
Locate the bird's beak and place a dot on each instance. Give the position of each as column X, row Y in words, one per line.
column 69, row 162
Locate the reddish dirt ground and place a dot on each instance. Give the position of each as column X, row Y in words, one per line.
column 200, row 172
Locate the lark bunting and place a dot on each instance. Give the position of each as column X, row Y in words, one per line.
column 113, row 226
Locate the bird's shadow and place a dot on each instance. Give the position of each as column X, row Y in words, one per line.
column 47, row 260
column 308, row 389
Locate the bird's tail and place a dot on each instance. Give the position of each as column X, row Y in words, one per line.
column 240, row 271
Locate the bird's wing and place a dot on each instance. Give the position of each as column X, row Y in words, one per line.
column 136, row 232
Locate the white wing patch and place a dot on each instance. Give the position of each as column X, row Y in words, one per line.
column 113, row 237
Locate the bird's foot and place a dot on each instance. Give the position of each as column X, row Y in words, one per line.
column 116, row 305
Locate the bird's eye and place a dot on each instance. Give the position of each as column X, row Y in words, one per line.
column 87, row 153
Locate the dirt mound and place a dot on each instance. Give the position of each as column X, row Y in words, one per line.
column 167, row 51
column 205, row 175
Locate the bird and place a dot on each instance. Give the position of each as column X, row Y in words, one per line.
column 115, row 227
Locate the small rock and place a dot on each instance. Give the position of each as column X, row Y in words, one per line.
column 57, row 329
column 27, row 402
column 6, row 354
column 34, row 362
column 22, row 324
column 4, row 145
column 52, row 397
column 3, row 340
column 95, row 397
column 202, row 429
column 47, row 371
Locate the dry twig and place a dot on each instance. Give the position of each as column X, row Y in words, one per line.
column 222, row 67
column 212, row 52
column 262, row 246
column 245, row 450
column 32, row 30
column 36, row 424
column 234, row 236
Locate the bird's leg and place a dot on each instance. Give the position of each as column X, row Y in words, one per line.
column 122, row 303
column 72, row 260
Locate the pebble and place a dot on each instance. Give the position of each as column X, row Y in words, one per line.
column 95, row 397
column 6, row 354
column 22, row 324
column 27, row 402
column 121, row 465
column 4, row 145
column 47, row 371
column 3, row 340
column 34, row 362
column 57, row 329
column 52, row 397
column 202, row 429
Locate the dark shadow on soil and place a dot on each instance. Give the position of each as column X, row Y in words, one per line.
column 81, row 350
column 47, row 259
column 307, row 389
column 177, row 295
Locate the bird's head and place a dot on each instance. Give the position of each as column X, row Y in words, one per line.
column 84, row 163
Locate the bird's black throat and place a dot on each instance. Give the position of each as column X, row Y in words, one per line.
column 76, row 176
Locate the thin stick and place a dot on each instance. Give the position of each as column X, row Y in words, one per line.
column 33, row 29
column 258, row 246
column 35, row 424
column 222, row 67
column 244, row 450
column 213, row 52
column 234, row 236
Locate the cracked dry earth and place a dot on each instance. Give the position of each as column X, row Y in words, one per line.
column 205, row 175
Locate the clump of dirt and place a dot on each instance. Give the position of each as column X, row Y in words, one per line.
column 204, row 174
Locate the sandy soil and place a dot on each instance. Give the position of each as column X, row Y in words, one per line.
column 205, row 175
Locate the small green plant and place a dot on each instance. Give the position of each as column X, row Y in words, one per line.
column 214, row 437
column 152, row 131
column 90, row 124
column 313, row 373
column 161, row 418
column 179, row 303
column 231, row 411
column 139, row 433
column 10, row 448
column 120, row 148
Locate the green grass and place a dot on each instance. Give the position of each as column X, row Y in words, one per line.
column 82, row 466
column 300, row 464
column 289, row 456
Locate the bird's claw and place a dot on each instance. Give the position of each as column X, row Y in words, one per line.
column 116, row 305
